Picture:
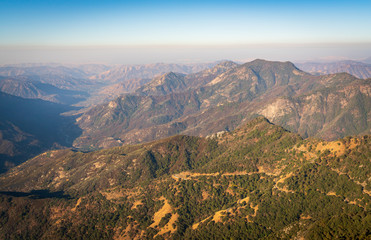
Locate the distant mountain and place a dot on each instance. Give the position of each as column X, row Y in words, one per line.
column 71, row 70
column 178, row 82
column 259, row 181
column 310, row 105
column 40, row 69
column 103, row 83
column 367, row 60
column 63, row 77
column 140, row 86
column 358, row 69
column 29, row 127
column 112, row 91
column 34, row 89
column 91, row 69
column 164, row 84
column 147, row 71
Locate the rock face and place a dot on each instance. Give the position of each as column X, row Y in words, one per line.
column 325, row 112
column 222, row 98
column 357, row 69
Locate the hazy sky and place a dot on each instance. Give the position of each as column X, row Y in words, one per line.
column 182, row 31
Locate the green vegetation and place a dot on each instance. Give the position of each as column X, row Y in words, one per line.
column 257, row 182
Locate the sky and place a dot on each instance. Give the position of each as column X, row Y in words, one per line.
column 112, row 31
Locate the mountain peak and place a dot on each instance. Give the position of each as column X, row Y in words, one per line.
column 227, row 63
column 261, row 62
column 164, row 84
column 167, row 77
column 256, row 122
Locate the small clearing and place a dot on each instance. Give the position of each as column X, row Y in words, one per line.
column 113, row 195
column 335, row 147
column 136, row 203
column 77, row 204
column 195, row 226
column 331, row 193
column 256, row 208
column 161, row 213
column 205, row 195
column 169, row 226
column 282, row 180
column 217, row 216
column 246, row 200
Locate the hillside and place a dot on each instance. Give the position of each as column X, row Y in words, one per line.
column 341, row 100
column 225, row 97
column 257, row 182
column 31, row 126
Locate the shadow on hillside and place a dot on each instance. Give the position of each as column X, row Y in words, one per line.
column 37, row 194
column 32, row 126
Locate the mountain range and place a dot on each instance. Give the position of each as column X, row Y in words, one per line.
column 358, row 69
column 83, row 85
column 213, row 100
column 260, row 150
column 123, row 73
column 38, row 90
column 222, row 98
column 29, row 127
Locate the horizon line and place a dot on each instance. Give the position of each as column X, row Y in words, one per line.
column 171, row 45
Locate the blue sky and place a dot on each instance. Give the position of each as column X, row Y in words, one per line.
column 51, row 25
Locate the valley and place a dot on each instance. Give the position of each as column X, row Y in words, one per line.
column 185, row 120
column 260, row 150
column 105, row 113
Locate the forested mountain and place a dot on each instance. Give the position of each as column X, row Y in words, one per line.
column 257, row 182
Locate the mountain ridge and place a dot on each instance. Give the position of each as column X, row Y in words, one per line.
column 258, row 181
column 37, row 90
column 358, row 69
column 231, row 97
